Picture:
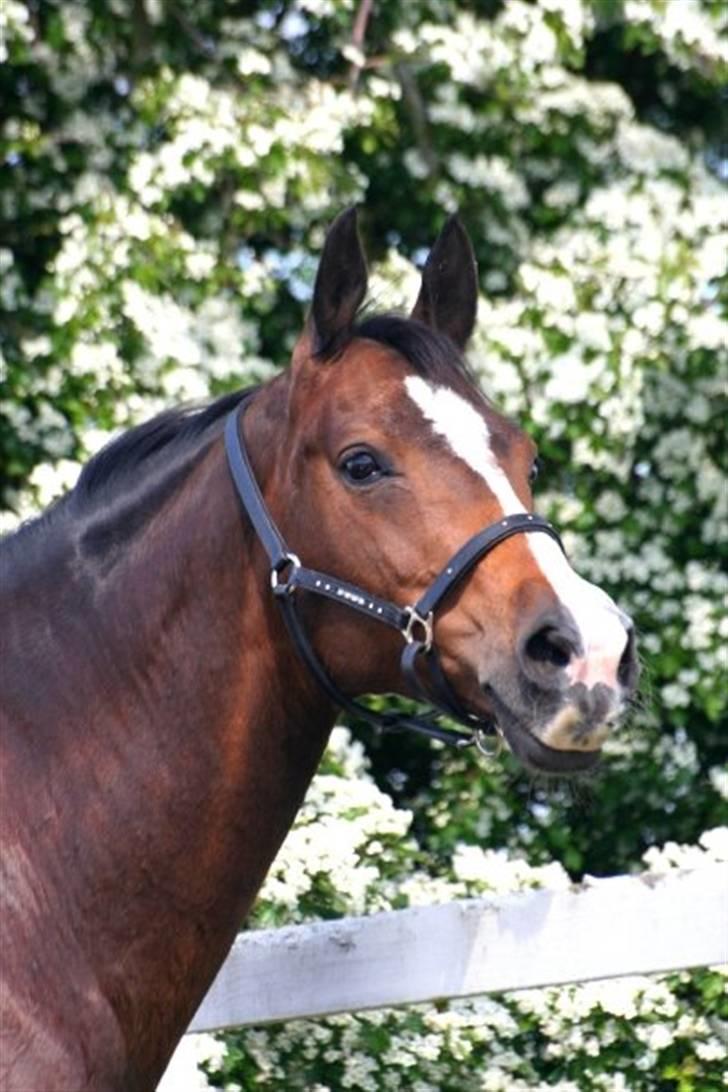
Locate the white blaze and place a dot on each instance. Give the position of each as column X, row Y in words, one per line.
column 598, row 618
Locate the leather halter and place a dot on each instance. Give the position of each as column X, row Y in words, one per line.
column 415, row 623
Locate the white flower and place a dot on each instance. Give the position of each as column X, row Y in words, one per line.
column 470, row 48
column 592, row 329
column 182, row 384
column 713, row 849
column 575, row 16
column 51, row 480
column 712, row 1051
column 715, row 843
column 183, row 1073
column 656, row 1036
column 348, row 752
column 37, row 346
column 394, row 283
column 572, row 378
column 492, row 870
column 611, row 506
column 200, row 264
column 707, row 330
column 167, row 327
column 9, row 521
column 551, row 290
column 491, row 173
column 719, row 780
column 251, row 62
column 561, row 195
column 675, row 696
column 650, row 317
column 339, row 819
column 420, row 889
column 684, row 29
column 100, row 360
column 645, row 149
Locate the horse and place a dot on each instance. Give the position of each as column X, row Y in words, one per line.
column 163, row 717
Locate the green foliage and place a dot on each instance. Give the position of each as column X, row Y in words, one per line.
column 168, row 172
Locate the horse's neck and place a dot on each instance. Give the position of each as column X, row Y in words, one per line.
column 188, row 744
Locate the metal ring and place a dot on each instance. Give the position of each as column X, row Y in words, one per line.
column 291, row 562
column 415, row 619
column 490, row 746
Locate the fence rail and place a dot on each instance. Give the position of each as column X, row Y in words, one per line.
column 624, row 925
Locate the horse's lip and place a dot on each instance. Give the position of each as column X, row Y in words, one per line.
column 541, row 758
column 531, row 751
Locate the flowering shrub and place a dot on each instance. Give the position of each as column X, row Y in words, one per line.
column 168, row 174
column 628, row 1033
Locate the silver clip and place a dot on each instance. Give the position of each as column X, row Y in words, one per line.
column 292, row 563
column 490, row 746
column 414, row 619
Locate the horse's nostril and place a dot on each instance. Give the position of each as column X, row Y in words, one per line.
column 627, row 669
column 547, row 647
column 550, row 645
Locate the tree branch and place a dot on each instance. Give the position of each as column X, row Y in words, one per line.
column 358, row 34
column 418, row 114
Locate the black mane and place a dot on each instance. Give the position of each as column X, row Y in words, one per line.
column 125, row 482
column 432, row 355
column 117, row 489
column 174, row 429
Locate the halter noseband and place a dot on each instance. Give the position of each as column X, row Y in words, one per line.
column 415, row 623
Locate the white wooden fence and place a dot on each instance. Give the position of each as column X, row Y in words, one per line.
column 626, row 925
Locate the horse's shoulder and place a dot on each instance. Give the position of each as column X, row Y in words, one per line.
column 51, row 1008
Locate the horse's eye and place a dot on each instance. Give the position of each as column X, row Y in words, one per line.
column 534, row 471
column 361, row 467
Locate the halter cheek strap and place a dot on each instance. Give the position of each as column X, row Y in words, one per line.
column 415, row 623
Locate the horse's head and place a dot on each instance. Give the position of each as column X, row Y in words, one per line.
column 394, row 459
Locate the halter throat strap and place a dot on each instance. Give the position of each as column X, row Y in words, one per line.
column 415, row 623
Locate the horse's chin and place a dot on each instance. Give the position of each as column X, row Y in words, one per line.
column 560, row 746
column 539, row 757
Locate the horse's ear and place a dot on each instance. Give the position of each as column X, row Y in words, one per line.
column 448, row 299
column 341, row 284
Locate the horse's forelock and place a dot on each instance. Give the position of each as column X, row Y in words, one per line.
column 432, row 354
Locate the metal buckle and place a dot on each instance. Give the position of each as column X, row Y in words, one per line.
column 490, row 746
column 415, row 619
column 292, row 563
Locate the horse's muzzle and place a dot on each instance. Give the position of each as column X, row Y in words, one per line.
column 561, row 728
column 584, row 721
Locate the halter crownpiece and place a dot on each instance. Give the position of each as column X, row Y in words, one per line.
column 415, row 622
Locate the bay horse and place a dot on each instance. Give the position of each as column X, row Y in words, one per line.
column 162, row 718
